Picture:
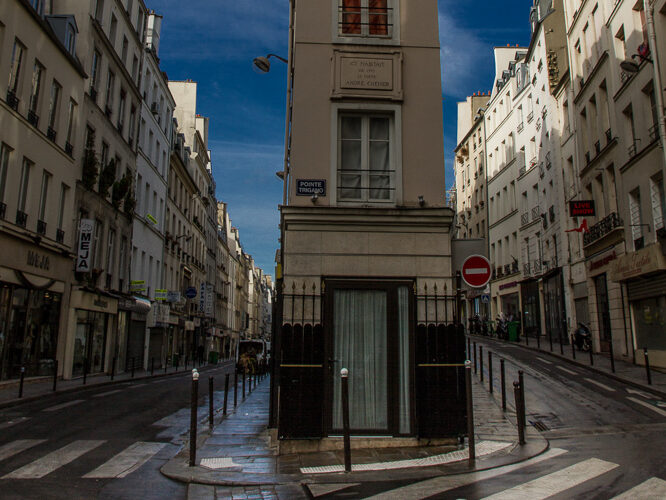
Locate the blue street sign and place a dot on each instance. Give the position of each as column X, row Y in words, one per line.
column 191, row 292
column 485, row 298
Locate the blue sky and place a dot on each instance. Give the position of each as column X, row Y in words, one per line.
column 213, row 43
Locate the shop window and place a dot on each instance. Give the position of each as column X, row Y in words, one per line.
column 89, row 342
column 635, row 216
column 657, row 201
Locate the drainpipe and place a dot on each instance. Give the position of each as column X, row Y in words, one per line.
column 652, row 42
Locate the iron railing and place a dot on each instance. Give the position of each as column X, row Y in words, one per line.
column 12, row 100
column 21, row 218
column 41, row 227
column 51, row 134
column 602, row 228
column 60, row 235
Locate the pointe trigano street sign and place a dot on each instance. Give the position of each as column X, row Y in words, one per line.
column 476, row 271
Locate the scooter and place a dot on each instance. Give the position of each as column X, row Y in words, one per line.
column 583, row 338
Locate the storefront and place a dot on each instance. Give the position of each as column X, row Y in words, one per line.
column 529, row 291
column 644, row 273
column 553, row 305
column 602, row 292
column 509, row 300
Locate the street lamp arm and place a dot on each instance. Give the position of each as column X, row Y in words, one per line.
column 268, row 56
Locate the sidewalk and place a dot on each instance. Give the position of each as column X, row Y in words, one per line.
column 41, row 387
column 237, row 453
column 625, row 370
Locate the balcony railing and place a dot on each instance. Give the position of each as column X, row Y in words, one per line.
column 522, row 171
column 93, row 93
column 41, row 227
column 21, row 218
column 51, row 134
column 524, row 218
column 33, row 119
column 530, row 117
column 535, row 213
column 12, row 100
column 507, row 269
column 526, row 269
column 549, row 162
column 3, row 210
column 609, row 136
column 633, row 149
column 597, row 147
column 69, row 149
column 60, row 236
column 514, row 266
column 602, row 228
column 587, row 158
column 536, row 266
column 521, row 126
column 654, row 132
column 542, row 171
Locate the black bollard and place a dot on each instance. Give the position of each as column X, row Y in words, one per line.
column 591, row 355
column 503, row 384
column 85, row 370
column 55, row 374
column 152, row 366
column 519, row 412
column 538, row 337
column 490, row 372
column 521, row 379
column 21, row 382
column 166, row 364
column 344, row 374
column 235, row 388
column 550, row 339
column 113, row 367
column 243, row 384
column 647, row 366
column 573, row 348
column 474, row 358
column 210, row 402
column 469, row 348
column 132, row 367
column 470, row 412
column 612, row 355
column 481, row 363
column 226, row 393
column 193, row 417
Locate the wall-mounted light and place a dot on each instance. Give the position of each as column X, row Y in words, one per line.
column 421, row 201
column 280, row 174
column 314, row 198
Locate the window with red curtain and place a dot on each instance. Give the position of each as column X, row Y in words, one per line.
column 378, row 17
column 351, row 17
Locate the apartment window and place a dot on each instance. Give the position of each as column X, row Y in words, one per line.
column 104, row 159
column 110, row 252
column 71, row 115
column 38, row 5
column 139, row 24
column 635, row 216
column 122, row 262
column 97, row 247
column 657, row 201
column 70, row 39
column 23, row 184
column 44, row 193
column 15, row 69
column 124, row 50
column 37, row 73
column 110, row 82
column 64, row 189
column 365, row 165
column 135, row 67
column 121, row 110
column 94, row 76
column 112, row 30
column 99, row 10
column 366, row 18
column 4, row 167
column 132, row 121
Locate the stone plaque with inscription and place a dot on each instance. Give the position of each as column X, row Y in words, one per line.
column 366, row 73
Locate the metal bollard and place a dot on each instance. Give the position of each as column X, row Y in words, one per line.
column 591, row 355
column 21, row 382
column 226, row 393
column 474, row 358
column 210, row 402
column 612, row 354
column 166, row 364
column 481, row 363
column 235, row 388
column 113, row 367
column 469, row 347
column 85, row 370
column 527, row 339
column 193, row 417
column 490, row 371
column 538, row 337
column 243, row 384
column 519, row 412
column 503, row 384
column 470, row 412
column 521, row 379
column 132, row 367
column 573, row 348
column 647, row 366
column 55, row 374
column 152, row 366
column 344, row 374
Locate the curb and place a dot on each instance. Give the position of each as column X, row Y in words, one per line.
column 30, row 399
column 612, row 376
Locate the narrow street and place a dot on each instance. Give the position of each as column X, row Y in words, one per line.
column 107, row 442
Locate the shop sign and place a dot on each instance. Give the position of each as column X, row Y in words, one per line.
column 202, row 297
column 508, row 285
column 191, row 292
column 485, row 298
column 209, row 301
column 137, row 286
column 596, row 264
column 189, row 326
column 161, row 313
column 173, row 296
column 581, row 208
column 84, row 252
column 646, row 260
column 310, row 187
column 161, row 294
column 197, row 321
column 38, row 261
column 151, row 218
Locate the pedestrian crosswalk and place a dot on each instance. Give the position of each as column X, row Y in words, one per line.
column 119, row 465
column 541, row 477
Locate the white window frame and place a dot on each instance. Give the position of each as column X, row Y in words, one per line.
column 395, row 152
column 366, row 38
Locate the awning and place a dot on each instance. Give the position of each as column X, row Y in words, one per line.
column 135, row 304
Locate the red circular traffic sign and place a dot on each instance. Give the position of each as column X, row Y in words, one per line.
column 476, row 271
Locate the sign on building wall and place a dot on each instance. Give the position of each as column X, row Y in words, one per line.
column 581, row 208
column 202, row 297
column 161, row 294
column 137, row 286
column 366, row 73
column 209, row 301
column 309, row 187
column 84, row 254
column 173, row 296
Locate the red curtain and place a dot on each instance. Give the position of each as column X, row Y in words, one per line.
column 351, row 17
column 378, row 17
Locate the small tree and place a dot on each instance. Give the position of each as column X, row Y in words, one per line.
column 90, row 163
column 130, row 202
column 107, row 177
column 120, row 189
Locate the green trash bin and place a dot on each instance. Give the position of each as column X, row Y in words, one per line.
column 513, row 330
column 212, row 357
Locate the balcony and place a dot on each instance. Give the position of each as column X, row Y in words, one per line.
column 536, row 266
column 524, row 218
column 526, row 269
column 21, row 218
column 597, row 147
column 654, row 132
column 542, row 171
column 41, row 227
column 535, row 213
column 587, row 158
column 522, row 170
column 51, row 134
column 33, row 119
column 514, row 266
column 530, row 117
column 633, row 149
column 69, row 149
column 507, row 269
column 60, row 236
column 521, row 126
column 609, row 136
column 551, row 213
column 602, row 228
column 12, row 100
column 3, row 210
column 549, row 162
column 93, row 93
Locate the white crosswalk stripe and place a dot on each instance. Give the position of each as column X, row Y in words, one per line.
column 64, row 405
column 556, row 482
column 54, row 460
column 16, row 447
column 127, row 461
column 652, row 489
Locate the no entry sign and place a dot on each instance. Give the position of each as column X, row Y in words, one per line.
column 476, row 271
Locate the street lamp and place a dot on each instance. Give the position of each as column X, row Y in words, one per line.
column 263, row 65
